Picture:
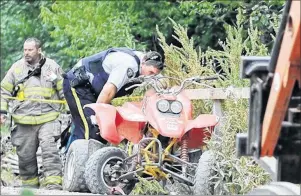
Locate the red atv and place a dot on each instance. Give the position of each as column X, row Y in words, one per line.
column 162, row 140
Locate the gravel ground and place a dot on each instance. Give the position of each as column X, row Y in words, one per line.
column 11, row 185
column 173, row 189
column 18, row 191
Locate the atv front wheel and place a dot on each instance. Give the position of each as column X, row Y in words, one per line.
column 194, row 155
column 74, row 167
column 202, row 175
column 103, row 169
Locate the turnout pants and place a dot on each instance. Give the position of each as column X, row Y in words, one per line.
column 27, row 139
column 77, row 97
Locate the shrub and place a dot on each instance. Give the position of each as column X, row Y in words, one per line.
column 231, row 175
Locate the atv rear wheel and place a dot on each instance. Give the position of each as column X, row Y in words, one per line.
column 100, row 167
column 276, row 188
column 202, row 175
column 74, row 167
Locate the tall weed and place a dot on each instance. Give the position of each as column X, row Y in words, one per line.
column 232, row 175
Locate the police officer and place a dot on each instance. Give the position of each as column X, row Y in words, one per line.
column 34, row 80
column 100, row 78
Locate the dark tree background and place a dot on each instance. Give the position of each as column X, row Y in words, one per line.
column 73, row 29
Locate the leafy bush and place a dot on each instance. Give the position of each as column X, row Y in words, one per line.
column 231, row 175
column 148, row 187
column 90, row 26
column 19, row 20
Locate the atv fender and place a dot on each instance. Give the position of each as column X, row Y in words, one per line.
column 105, row 117
column 132, row 111
column 200, row 128
column 130, row 121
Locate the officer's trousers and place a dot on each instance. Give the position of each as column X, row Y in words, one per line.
column 76, row 98
column 27, row 139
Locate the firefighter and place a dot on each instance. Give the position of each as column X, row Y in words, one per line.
column 33, row 81
column 100, row 78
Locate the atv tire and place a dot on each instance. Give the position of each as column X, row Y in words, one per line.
column 195, row 156
column 97, row 181
column 202, row 175
column 276, row 188
column 74, row 167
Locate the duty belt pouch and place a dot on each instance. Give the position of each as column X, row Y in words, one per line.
column 80, row 77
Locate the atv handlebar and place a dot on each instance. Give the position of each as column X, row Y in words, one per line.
column 140, row 79
column 196, row 80
column 154, row 80
column 146, row 80
column 199, row 79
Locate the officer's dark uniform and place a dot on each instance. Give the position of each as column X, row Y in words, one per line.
column 79, row 91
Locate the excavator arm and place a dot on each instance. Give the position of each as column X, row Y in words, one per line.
column 275, row 100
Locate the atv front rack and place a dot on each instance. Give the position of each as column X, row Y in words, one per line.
column 154, row 161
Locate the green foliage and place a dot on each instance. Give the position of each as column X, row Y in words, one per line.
column 73, row 29
column 148, row 187
column 264, row 15
column 27, row 192
column 210, row 17
column 208, row 20
column 236, row 176
column 206, row 33
column 88, row 26
column 231, row 175
column 19, row 21
column 146, row 15
column 121, row 100
column 4, row 129
column 182, row 61
column 110, row 23
column 7, row 176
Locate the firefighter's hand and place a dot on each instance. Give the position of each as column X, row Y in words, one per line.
column 3, row 118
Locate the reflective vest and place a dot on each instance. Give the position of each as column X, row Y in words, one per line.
column 93, row 65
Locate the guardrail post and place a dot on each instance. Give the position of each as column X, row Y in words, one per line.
column 217, row 110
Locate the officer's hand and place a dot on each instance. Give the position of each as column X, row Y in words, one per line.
column 3, row 118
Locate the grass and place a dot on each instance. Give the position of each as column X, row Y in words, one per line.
column 145, row 187
column 5, row 129
column 9, row 178
column 6, row 174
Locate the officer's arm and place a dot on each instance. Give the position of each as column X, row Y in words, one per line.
column 107, row 94
column 122, row 69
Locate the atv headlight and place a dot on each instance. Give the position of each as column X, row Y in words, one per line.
column 163, row 105
column 176, row 107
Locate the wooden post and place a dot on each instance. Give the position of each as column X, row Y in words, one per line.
column 218, row 95
column 218, row 111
